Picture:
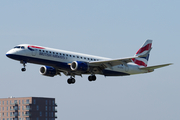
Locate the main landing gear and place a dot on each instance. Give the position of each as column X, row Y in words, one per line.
column 71, row 80
column 24, row 66
column 92, row 78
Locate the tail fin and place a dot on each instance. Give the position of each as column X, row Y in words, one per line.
column 143, row 54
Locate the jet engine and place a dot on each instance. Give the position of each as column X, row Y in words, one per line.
column 48, row 71
column 79, row 66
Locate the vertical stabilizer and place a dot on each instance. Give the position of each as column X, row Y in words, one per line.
column 143, row 52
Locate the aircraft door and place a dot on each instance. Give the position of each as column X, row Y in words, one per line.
column 34, row 52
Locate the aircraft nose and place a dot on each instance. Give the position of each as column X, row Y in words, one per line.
column 9, row 54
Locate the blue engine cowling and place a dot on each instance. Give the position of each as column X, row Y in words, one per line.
column 48, row 71
column 79, row 66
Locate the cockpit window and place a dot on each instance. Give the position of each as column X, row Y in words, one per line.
column 18, row 47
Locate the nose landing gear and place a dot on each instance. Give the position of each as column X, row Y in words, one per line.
column 24, row 66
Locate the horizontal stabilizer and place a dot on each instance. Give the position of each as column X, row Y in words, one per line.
column 155, row 67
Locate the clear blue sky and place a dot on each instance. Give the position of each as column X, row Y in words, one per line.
column 108, row 28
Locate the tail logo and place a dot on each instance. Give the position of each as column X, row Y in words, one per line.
column 142, row 61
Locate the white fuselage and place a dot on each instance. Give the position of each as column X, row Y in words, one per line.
column 61, row 59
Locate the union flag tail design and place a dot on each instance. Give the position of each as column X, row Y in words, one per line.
column 143, row 54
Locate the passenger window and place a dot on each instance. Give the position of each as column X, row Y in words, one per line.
column 81, row 57
column 66, row 54
column 70, row 55
column 22, row 47
column 63, row 54
column 60, row 53
column 84, row 58
column 88, row 58
column 73, row 56
column 77, row 56
column 40, row 50
column 47, row 51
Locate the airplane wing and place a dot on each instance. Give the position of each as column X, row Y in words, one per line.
column 155, row 67
column 111, row 63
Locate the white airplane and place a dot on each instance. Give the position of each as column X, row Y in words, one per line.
column 72, row 63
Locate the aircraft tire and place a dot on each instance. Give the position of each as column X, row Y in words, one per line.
column 71, row 81
column 23, row 69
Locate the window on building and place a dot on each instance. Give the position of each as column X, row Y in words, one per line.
column 46, row 114
column 0, row 108
column 22, row 101
column 46, row 102
column 7, row 102
column 7, row 108
column 7, row 114
column 37, row 118
column 19, row 114
column 52, row 114
column 34, row 101
column 27, row 101
column 19, row 107
column 49, row 108
column 19, row 101
column 37, row 107
column 3, row 108
column 53, row 102
column 40, row 113
column 3, row 102
column 0, row 102
column 22, row 107
column 49, row 102
column 15, row 101
column 46, row 108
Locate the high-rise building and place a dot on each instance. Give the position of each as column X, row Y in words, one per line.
column 28, row 108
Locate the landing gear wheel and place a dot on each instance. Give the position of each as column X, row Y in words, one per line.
column 24, row 64
column 23, row 69
column 71, row 81
column 92, row 78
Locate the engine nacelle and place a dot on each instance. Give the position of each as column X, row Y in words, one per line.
column 79, row 66
column 48, row 71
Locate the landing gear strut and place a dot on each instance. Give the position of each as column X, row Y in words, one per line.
column 92, row 78
column 71, row 80
column 24, row 66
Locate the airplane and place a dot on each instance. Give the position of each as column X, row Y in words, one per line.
column 73, row 64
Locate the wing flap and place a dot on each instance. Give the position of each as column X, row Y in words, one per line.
column 155, row 67
column 111, row 63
